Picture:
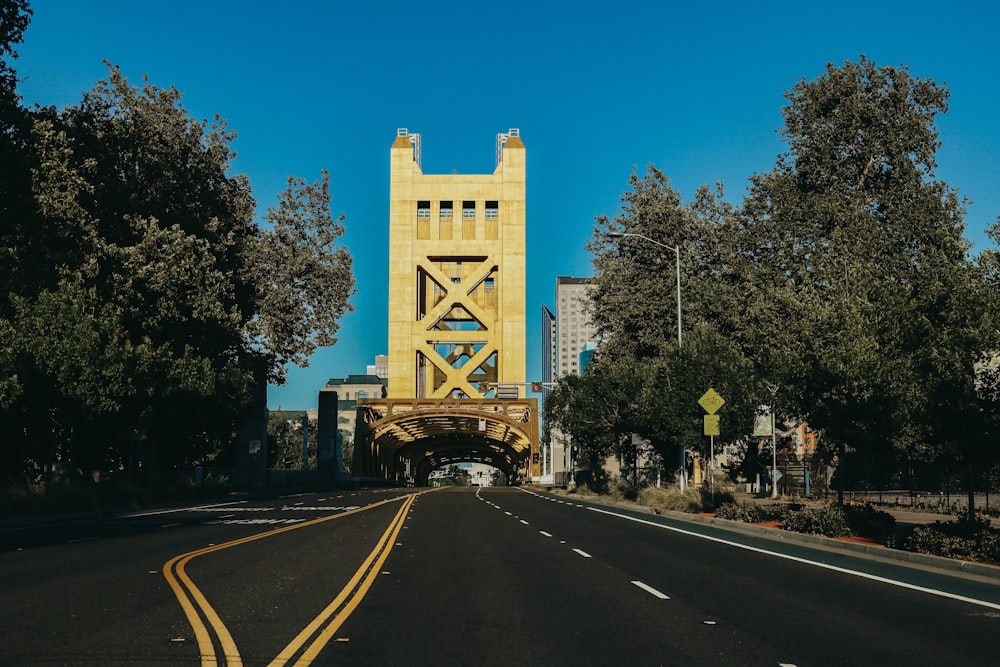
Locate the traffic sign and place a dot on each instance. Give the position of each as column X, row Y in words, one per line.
column 712, row 425
column 711, row 401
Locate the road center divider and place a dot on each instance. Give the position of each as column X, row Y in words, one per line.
column 202, row 617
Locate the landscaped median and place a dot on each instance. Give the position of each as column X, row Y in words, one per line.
column 976, row 542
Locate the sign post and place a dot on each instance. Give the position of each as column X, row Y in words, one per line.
column 710, row 403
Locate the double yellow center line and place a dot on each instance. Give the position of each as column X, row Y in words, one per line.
column 320, row 630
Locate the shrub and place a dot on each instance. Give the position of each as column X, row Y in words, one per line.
column 623, row 491
column 710, row 501
column 867, row 521
column 828, row 521
column 956, row 539
column 745, row 512
column 775, row 511
column 754, row 512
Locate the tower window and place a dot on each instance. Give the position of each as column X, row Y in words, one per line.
column 468, row 209
column 447, row 209
column 423, row 209
column 492, row 210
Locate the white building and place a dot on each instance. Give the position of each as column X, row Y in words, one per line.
column 566, row 334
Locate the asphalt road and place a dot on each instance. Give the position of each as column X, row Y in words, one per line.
column 463, row 577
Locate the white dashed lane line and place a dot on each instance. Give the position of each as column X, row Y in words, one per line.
column 545, row 534
column 583, row 553
column 652, row 591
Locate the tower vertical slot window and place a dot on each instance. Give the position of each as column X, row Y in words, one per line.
column 423, row 220
column 468, row 219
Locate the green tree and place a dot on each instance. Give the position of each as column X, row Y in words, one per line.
column 137, row 285
column 860, row 256
column 634, row 305
column 146, row 240
column 589, row 410
column 285, row 441
column 15, row 188
column 346, row 450
column 303, row 277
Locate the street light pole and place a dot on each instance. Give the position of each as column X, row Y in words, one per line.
column 773, row 388
column 677, row 253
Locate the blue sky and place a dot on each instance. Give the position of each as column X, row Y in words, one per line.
column 596, row 89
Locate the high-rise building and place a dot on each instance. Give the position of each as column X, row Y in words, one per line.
column 573, row 328
column 548, row 345
column 567, row 335
column 456, row 275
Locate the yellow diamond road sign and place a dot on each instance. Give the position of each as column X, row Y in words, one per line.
column 711, row 401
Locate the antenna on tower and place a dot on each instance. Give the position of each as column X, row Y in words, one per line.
column 414, row 139
column 502, row 139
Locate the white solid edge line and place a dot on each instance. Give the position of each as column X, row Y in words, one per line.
column 184, row 509
column 583, row 553
column 825, row 566
column 652, row 591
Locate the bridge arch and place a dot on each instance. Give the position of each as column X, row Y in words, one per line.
column 405, row 439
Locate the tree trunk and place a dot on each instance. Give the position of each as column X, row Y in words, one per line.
column 840, row 476
column 971, row 485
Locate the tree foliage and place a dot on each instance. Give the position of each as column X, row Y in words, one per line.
column 285, row 441
column 875, row 306
column 305, row 277
column 634, row 306
column 136, row 286
column 843, row 282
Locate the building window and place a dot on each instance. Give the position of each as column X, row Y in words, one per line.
column 489, row 284
column 423, row 209
column 492, row 210
column 468, row 209
column 447, row 209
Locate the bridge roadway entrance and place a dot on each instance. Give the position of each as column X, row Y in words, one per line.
column 404, row 440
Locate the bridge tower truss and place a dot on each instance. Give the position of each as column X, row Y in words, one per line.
column 456, row 275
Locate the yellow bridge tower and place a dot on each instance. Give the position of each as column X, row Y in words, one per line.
column 456, row 321
column 456, row 275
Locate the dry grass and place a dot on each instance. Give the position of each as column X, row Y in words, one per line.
column 672, row 498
